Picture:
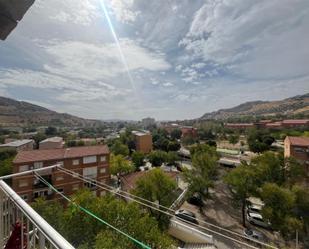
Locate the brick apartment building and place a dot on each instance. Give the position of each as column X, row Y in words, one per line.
column 143, row 141
column 91, row 162
column 298, row 147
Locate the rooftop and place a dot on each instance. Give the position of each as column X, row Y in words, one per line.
column 140, row 133
column 301, row 141
column 53, row 139
column 17, row 143
column 60, row 154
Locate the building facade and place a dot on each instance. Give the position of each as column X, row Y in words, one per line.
column 142, row 141
column 91, row 162
column 298, row 147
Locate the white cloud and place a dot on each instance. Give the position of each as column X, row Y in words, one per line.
column 90, row 61
column 81, row 12
column 168, row 84
column 257, row 39
column 122, row 9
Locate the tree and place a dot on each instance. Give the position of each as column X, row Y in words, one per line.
column 138, row 158
column 161, row 144
column 204, row 166
column 50, row 211
column 233, row 139
column 51, row 131
column 176, row 134
column 38, row 138
column 173, row 146
column 157, row 157
column 158, row 187
column 6, row 161
column 119, row 165
column 120, row 149
column 71, row 143
column 259, row 141
column 240, row 181
column 172, row 157
column 279, row 203
column 80, row 143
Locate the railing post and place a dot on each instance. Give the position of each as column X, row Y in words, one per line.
column 1, row 221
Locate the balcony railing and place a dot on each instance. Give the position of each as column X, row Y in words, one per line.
column 22, row 227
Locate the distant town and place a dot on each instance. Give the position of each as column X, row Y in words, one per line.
column 222, row 173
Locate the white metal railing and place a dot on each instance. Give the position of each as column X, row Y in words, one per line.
column 34, row 231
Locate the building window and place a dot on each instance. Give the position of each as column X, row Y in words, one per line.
column 24, row 197
column 89, row 159
column 59, row 178
column 103, row 170
column 38, row 165
column 61, row 163
column 23, row 168
column 40, row 193
column 23, row 183
column 75, row 162
column 299, row 150
column 75, row 187
column 103, row 158
column 90, row 172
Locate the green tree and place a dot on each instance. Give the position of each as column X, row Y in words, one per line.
column 204, row 167
column 240, row 181
column 176, row 134
column 6, row 161
column 156, row 186
column 119, row 165
column 138, row 158
column 157, row 157
column 279, row 203
column 172, row 157
column 259, row 141
column 71, row 143
column 51, row 131
column 173, row 146
column 233, row 139
column 53, row 212
column 119, row 148
column 80, row 143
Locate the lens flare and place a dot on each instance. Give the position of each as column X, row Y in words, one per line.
column 122, row 57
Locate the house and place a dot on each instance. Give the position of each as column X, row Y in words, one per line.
column 142, row 141
column 52, row 143
column 19, row 145
column 239, row 125
column 91, row 162
column 298, row 147
column 188, row 131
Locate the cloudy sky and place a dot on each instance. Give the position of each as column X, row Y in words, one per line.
column 168, row 59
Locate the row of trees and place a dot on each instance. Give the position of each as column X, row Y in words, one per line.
column 83, row 231
column 274, row 179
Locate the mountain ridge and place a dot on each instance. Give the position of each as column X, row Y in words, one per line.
column 298, row 104
column 22, row 113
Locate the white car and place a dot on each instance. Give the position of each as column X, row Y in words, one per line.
column 257, row 219
column 253, row 234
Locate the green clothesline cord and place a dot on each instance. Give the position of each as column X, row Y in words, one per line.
column 142, row 245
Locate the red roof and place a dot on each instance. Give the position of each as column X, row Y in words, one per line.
column 296, row 121
column 60, row 154
column 300, row 141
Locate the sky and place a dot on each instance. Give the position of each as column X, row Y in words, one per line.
column 167, row 59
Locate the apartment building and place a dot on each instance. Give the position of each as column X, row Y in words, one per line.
column 91, row 162
column 19, row 145
column 143, row 141
column 51, row 143
column 298, row 147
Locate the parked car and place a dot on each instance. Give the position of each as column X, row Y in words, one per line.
column 257, row 219
column 253, row 234
column 196, row 200
column 186, row 216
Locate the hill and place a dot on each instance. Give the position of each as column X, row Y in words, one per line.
column 20, row 113
column 298, row 105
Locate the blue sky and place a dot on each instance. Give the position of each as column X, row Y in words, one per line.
column 175, row 59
